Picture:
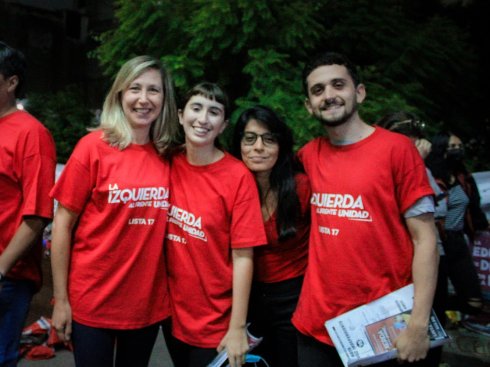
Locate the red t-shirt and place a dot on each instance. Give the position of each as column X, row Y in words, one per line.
column 215, row 208
column 360, row 248
column 117, row 273
column 27, row 165
column 287, row 259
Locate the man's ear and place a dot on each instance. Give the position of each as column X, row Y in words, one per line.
column 308, row 106
column 360, row 93
column 12, row 83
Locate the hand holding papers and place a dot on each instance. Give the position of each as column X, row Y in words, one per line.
column 365, row 335
column 222, row 357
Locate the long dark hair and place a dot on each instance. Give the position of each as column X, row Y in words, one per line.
column 281, row 179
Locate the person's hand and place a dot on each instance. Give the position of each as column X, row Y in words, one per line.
column 412, row 344
column 236, row 343
column 62, row 320
column 423, row 146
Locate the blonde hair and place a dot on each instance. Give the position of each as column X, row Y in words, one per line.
column 113, row 121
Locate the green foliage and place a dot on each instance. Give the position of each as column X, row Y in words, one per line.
column 145, row 27
column 250, row 48
column 380, row 99
column 184, row 69
column 203, row 38
column 413, row 55
column 420, row 54
column 64, row 115
column 274, row 83
column 445, row 71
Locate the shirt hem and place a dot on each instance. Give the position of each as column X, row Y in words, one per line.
column 119, row 326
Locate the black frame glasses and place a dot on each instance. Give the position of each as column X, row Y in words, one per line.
column 268, row 139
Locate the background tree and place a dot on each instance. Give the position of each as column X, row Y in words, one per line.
column 414, row 55
column 64, row 115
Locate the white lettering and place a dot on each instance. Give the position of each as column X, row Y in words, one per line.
column 481, row 251
column 484, row 265
column 137, row 221
column 353, row 213
column 334, row 201
column 341, row 205
column 329, row 231
column 148, row 194
column 173, row 237
column 185, row 217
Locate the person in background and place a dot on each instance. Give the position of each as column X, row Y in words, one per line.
column 27, row 164
column 372, row 223
column 448, row 172
column 109, row 277
column 475, row 219
column 214, row 224
column 409, row 124
column 265, row 144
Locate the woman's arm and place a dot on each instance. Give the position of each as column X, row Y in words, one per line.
column 63, row 224
column 236, row 341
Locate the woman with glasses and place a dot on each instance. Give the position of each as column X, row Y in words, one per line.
column 265, row 144
column 214, row 224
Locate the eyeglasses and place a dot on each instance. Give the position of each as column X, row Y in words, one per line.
column 408, row 123
column 268, row 139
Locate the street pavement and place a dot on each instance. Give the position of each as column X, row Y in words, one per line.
column 465, row 349
column 64, row 358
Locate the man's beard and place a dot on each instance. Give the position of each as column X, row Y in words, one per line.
column 338, row 120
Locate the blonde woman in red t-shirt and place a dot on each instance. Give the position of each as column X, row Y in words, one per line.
column 109, row 277
column 265, row 144
column 214, row 224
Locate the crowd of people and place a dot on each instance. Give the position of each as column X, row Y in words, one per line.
column 159, row 228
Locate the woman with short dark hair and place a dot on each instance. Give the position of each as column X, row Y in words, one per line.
column 214, row 226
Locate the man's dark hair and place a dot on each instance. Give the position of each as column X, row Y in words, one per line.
column 329, row 58
column 12, row 62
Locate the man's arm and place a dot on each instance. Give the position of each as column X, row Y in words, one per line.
column 413, row 343
column 26, row 235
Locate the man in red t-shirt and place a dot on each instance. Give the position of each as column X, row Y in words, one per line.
column 27, row 165
column 372, row 226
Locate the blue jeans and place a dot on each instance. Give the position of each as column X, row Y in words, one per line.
column 15, row 298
